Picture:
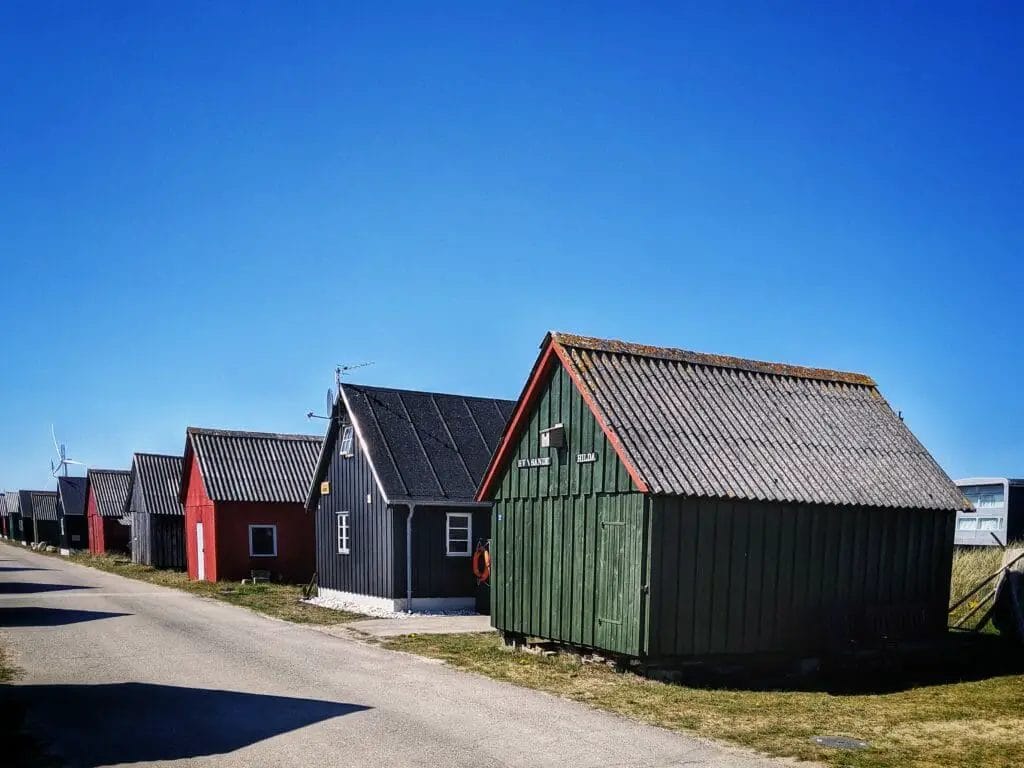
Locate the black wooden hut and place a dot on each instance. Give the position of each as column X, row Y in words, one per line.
column 158, row 517
column 45, row 527
column 74, row 529
column 5, row 519
column 394, row 487
column 659, row 503
column 25, row 531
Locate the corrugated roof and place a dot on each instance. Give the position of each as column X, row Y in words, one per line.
column 110, row 487
column 705, row 425
column 3, row 504
column 159, row 478
column 253, row 466
column 72, row 495
column 44, row 505
column 13, row 499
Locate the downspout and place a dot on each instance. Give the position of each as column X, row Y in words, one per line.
column 408, row 558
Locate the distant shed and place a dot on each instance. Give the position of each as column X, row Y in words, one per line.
column 243, row 494
column 5, row 519
column 106, row 492
column 396, row 521
column 158, row 517
column 24, row 530
column 659, row 503
column 74, row 527
column 12, row 506
column 45, row 527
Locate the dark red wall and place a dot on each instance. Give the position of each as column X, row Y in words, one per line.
column 226, row 535
column 106, row 534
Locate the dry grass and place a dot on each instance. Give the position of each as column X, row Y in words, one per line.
column 970, row 566
column 944, row 725
column 282, row 601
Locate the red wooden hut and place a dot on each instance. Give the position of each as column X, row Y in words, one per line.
column 244, row 495
column 106, row 491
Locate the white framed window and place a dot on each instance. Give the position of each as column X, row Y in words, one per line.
column 262, row 541
column 344, row 533
column 348, row 436
column 458, row 534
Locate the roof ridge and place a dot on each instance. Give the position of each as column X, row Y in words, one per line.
column 398, row 390
column 614, row 346
column 247, row 433
column 160, row 455
column 97, row 471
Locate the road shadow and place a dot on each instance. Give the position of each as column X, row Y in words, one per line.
column 32, row 616
column 26, row 587
column 9, row 568
column 141, row 722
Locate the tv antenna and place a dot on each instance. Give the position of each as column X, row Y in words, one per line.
column 332, row 392
column 62, row 457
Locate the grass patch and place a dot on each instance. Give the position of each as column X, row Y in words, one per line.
column 282, row 601
column 952, row 725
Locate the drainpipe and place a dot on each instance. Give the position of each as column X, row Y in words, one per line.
column 408, row 558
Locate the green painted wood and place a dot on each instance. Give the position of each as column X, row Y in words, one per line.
column 557, row 573
column 750, row 562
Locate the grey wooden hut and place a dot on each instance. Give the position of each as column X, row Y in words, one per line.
column 45, row 527
column 14, row 523
column 659, row 503
column 158, row 517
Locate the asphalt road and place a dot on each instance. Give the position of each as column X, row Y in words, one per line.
column 118, row 671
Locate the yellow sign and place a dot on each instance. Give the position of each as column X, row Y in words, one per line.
column 325, row 487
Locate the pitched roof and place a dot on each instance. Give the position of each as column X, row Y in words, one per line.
column 3, row 504
column 13, row 500
column 692, row 424
column 110, row 488
column 72, row 495
column 426, row 447
column 252, row 466
column 159, row 479
column 44, row 505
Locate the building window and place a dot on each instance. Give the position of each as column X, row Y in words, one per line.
column 967, row 524
column 263, row 541
column 347, row 440
column 984, row 496
column 458, row 534
column 344, row 534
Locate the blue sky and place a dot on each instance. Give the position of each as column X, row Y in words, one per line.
column 206, row 207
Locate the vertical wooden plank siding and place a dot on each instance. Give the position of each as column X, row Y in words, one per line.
column 369, row 568
column 730, row 577
column 568, row 539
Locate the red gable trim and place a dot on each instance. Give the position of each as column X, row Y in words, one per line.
column 551, row 355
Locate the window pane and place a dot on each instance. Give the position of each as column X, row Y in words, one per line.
column 984, row 496
column 989, row 524
column 347, row 437
column 966, row 524
column 459, row 534
column 262, row 540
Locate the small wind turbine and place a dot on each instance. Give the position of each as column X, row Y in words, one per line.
column 62, row 457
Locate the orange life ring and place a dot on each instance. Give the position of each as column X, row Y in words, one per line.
column 481, row 564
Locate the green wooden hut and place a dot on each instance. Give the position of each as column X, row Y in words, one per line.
column 659, row 503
